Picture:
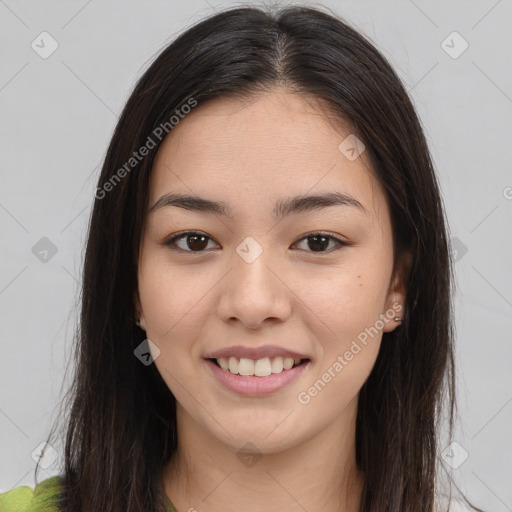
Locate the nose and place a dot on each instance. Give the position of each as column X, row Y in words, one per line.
column 254, row 292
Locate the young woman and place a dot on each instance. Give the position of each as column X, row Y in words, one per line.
column 266, row 308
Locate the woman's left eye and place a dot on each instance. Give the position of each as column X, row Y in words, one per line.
column 197, row 242
column 321, row 241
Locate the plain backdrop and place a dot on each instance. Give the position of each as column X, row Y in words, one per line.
column 58, row 112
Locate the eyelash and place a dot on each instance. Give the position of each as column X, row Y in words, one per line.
column 170, row 242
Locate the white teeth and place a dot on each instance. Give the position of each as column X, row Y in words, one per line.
column 277, row 365
column 288, row 363
column 233, row 365
column 246, row 367
column 261, row 367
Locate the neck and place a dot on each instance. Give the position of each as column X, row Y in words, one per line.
column 317, row 474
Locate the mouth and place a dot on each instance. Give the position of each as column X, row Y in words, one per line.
column 262, row 368
column 256, row 377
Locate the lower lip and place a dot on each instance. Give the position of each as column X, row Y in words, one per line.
column 256, row 386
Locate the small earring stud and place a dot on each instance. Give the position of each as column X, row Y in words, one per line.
column 398, row 319
column 137, row 322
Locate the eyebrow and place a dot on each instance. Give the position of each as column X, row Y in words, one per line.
column 282, row 208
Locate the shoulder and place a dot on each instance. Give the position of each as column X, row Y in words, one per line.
column 25, row 499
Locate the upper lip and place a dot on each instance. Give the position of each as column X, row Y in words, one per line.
column 255, row 353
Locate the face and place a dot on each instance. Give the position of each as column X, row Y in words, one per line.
column 261, row 282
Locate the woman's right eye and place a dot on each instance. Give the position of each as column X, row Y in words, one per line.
column 195, row 241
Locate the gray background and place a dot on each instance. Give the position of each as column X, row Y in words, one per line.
column 58, row 113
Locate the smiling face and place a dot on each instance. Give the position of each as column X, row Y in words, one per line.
column 264, row 271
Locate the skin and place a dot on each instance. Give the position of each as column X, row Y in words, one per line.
column 250, row 154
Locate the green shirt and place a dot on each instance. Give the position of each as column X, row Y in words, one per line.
column 41, row 499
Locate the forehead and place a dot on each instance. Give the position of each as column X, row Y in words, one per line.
column 274, row 145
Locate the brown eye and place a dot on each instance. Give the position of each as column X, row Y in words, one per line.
column 318, row 242
column 191, row 241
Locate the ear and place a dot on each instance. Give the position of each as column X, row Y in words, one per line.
column 139, row 314
column 397, row 293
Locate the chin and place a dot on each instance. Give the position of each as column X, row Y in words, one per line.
column 259, row 437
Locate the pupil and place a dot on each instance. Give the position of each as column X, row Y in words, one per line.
column 323, row 245
column 202, row 244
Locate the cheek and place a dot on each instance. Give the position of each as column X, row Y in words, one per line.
column 173, row 299
column 349, row 297
column 346, row 324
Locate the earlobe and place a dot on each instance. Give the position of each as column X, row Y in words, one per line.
column 139, row 315
column 140, row 322
column 394, row 314
column 397, row 295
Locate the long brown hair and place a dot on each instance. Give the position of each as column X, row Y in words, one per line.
column 121, row 419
